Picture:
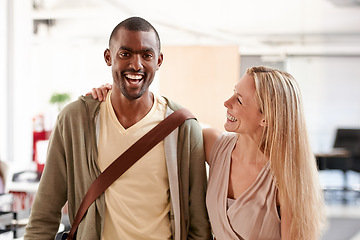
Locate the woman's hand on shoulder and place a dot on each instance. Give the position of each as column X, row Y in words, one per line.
column 210, row 135
column 100, row 93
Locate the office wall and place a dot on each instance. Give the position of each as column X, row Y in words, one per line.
column 331, row 91
column 71, row 67
column 200, row 78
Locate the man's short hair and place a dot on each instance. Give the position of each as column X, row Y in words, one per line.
column 136, row 24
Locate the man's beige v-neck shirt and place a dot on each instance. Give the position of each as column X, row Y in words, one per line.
column 137, row 204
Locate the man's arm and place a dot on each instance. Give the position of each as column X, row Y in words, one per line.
column 51, row 195
column 199, row 225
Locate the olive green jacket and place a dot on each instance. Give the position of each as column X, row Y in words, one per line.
column 71, row 167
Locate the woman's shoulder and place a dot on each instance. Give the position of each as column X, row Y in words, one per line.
column 211, row 134
column 212, row 137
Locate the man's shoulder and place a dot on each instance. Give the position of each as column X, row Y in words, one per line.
column 191, row 123
column 81, row 105
column 172, row 104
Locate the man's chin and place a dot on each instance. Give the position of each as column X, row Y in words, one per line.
column 133, row 96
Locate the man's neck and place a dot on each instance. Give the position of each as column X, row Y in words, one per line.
column 129, row 112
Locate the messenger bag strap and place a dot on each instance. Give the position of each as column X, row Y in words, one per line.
column 127, row 159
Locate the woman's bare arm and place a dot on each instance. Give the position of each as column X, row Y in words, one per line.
column 210, row 135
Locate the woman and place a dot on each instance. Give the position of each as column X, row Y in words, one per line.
column 263, row 179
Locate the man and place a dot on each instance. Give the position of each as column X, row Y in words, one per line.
column 162, row 196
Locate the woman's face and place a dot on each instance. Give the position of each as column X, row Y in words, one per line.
column 243, row 111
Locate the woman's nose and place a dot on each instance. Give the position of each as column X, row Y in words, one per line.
column 227, row 103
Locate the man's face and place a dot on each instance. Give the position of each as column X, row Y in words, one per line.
column 135, row 58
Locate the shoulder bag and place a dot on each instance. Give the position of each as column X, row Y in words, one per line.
column 125, row 161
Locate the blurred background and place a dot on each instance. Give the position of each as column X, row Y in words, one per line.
column 52, row 52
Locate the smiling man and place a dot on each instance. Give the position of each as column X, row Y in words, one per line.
column 162, row 196
column 134, row 57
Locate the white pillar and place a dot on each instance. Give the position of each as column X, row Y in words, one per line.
column 3, row 80
column 18, row 82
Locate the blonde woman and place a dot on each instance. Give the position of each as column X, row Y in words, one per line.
column 263, row 179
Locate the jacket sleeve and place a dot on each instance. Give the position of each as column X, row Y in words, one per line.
column 199, row 225
column 51, row 195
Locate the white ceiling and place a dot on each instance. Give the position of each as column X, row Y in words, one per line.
column 256, row 26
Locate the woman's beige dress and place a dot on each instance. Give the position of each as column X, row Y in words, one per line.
column 253, row 215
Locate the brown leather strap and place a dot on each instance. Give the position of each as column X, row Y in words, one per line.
column 127, row 159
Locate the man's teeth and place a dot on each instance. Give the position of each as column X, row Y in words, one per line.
column 134, row 77
column 231, row 118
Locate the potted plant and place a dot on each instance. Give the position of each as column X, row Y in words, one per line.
column 60, row 99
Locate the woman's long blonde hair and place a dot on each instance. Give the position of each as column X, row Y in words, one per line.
column 285, row 141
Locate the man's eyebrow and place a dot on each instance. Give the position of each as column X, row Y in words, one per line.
column 141, row 51
column 125, row 48
column 149, row 50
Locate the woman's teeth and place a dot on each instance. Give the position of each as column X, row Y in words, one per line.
column 231, row 118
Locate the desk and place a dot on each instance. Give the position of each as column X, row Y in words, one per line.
column 24, row 194
column 341, row 153
column 28, row 187
column 337, row 158
column 335, row 152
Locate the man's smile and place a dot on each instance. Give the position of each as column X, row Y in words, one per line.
column 134, row 79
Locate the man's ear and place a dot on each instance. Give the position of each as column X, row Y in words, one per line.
column 107, row 57
column 160, row 60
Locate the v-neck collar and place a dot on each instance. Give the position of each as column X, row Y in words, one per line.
column 135, row 126
column 227, row 177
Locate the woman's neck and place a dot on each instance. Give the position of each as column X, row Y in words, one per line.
column 247, row 151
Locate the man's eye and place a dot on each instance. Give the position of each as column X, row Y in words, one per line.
column 239, row 101
column 124, row 54
column 148, row 55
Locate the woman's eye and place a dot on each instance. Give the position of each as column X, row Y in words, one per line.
column 239, row 101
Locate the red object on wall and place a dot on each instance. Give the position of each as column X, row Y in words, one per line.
column 39, row 134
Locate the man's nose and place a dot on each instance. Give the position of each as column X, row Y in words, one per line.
column 136, row 62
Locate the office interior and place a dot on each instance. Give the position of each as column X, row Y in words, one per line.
column 55, row 48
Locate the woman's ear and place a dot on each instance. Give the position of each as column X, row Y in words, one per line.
column 107, row 57
column 263, row 122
